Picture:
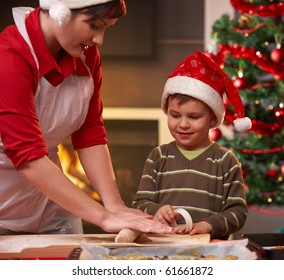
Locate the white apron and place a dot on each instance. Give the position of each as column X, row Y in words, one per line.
column 61, row 111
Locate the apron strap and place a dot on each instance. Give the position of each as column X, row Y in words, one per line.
column 20, row 23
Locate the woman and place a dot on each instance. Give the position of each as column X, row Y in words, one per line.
column 50, row 88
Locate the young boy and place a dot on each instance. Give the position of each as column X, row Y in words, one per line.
column 193, row 172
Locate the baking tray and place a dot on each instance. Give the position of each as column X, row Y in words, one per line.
column 268, row 246
column 235, row 249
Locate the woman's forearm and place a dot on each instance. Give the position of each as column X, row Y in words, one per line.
column 49, row 179
column 97, row 164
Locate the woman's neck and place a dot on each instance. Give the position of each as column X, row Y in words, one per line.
column 48, row 27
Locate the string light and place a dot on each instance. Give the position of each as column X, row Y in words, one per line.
column 258, row 53
column 264, row 151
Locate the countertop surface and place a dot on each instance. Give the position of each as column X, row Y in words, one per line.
column 60, row 246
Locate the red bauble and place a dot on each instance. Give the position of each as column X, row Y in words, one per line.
column 279, row 114
column 277, row 55
column 240, row 83
column 215, row 134
column 272, row 173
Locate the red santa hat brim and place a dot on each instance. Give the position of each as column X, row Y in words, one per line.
column 193, row 87
column 71, row 4
column 60, row 10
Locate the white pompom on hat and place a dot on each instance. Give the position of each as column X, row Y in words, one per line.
column 200, row 77
column 59, row 10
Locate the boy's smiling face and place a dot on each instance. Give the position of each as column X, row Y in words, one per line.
column 189, row 123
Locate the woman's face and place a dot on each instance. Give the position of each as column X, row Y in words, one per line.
column 189, row 123
column 78, row 34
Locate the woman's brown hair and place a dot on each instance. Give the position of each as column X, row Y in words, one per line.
column 111, row 9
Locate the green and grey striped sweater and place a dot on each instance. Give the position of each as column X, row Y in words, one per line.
column 210, row 187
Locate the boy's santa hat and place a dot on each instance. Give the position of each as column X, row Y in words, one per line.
column 59, row 10
column 200, row 77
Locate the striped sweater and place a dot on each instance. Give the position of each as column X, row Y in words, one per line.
column 210, row 187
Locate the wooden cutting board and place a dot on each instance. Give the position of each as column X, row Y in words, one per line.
column 178, row 239
column 154, row 240
column 60, row 246
column 38, row 246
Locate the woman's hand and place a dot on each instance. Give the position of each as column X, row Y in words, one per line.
column 114, row 222
column 125, row 209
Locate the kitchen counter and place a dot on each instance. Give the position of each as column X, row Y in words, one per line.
column 38, row 246
column 61, row 246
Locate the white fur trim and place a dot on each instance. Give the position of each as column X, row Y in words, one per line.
column 197, row 89
column 71, row 4
column 60, row 13
column 59, row 10
column 242, row 124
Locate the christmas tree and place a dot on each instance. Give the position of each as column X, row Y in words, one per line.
column 250, row 49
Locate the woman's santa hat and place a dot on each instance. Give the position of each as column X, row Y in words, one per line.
column 200, row 77
column 59, row 10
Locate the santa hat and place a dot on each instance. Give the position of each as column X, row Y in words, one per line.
column 59, row 10
column 200, row 77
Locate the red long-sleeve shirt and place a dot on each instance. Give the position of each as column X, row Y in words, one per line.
column 19, row 124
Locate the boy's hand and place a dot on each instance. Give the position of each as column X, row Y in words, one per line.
column 180, row 229
column 201, row 227
column 165, row 215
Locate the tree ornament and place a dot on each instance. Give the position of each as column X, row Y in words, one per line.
column 277, row 55
column 240, row 83
column 279, row 114
column 215, row 134
column 244, row 20
column 272, row 173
